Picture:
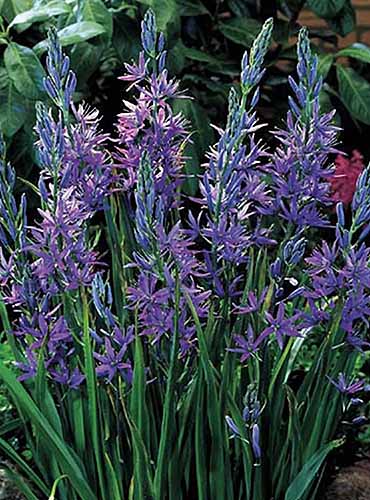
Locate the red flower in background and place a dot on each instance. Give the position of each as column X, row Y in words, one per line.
column 347, row 171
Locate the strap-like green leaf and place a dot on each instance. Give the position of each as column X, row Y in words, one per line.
column 309, row 471
column 57, row 446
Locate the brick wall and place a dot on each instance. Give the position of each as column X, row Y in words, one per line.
column 362, row 33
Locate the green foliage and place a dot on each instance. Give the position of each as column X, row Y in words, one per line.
column 358, row 51
column 13, row 106
column 24, row 70
column 326, row 8
column 355, row 93
column 201, row 138
column 41, row 13
column 308, row 474
column 241, row 30
column 344, row 22
column 75, row 33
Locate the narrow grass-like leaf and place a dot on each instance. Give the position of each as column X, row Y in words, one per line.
column 200, row 444
column 215, row 419
column 21, row 484
column 92, row 397
column 168, row 421
column 56, row 445
column 23, row 466
column 309, row 471
column 142, row 479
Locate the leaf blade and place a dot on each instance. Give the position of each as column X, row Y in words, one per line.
column 355, row 93
column 308, row 472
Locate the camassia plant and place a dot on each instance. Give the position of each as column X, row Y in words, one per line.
column 158, row 338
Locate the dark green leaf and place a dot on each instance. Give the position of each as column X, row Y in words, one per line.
column 74, row 33
column 215, row 64
column 12, row 8
column 358, row 51
column 355, row 93
column 199, row 55
column 25, row 70
column 91, row 383
column 201, row 140
column 309, row 471
column 169, row 408
column 126, row 37
column 138, row 422
column 13, row 107
column 23, row 466
column 326, row 8
column 281, row 31
column 230, row 68
column 95, row 11
column 325, row 62
column 41, row 13
column 211, row 86
column 176, row 58
column 192, row 8
column 345, row 21
column 17, row 481
column 84, row 60
column 57, row 447
column 239, row 8
column 242, row 30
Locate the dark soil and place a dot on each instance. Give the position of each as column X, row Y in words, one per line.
column 351, row 483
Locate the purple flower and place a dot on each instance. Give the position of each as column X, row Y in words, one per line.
column 256, row 442
column 323, row 259
column 60, row 83
column 145, row 294
column 86, row 166
column 356, row 341
column 360, row 420
column 149, row 125
column 59, row 245
column 323, row 272
column 149, row 32
column 29, row 367
column 232, row 188
column 135, row 72
column 356, row 270
column 361, row 204
column 230, row 422
column 252, row 70
column 294, row 250
column 73, row 379
column 347, row 387
column 248, row 345
column 149, row 208
column 111, row 362
column 316, row 314
column 251, row 414
column 281, row 326
column 252, row 304
column 299, row 168
column 356, row 307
